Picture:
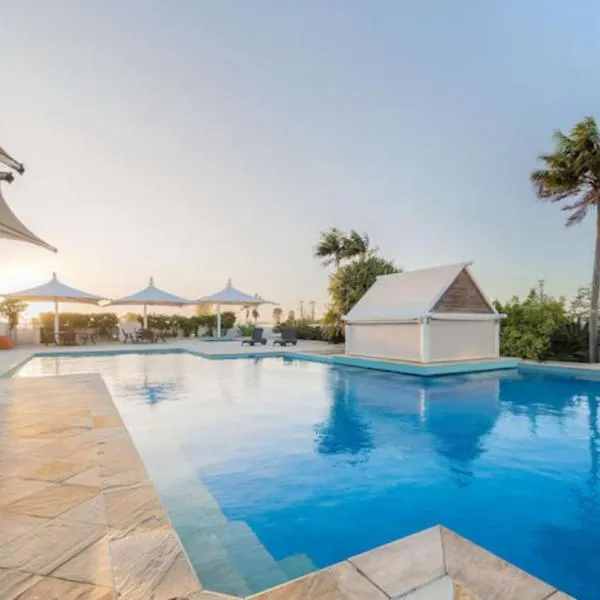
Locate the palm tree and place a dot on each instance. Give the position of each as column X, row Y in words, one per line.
column 356, row 245
column 331, row 247
column 573, row 172
column 255, row 314
column 277, row 312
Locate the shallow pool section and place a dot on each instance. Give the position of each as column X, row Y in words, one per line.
column 271, row 468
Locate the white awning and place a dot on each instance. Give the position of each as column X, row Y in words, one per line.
column 151, row 296
column 9, row 161
column 12, row 229
column 229, row 295
column 55, row 291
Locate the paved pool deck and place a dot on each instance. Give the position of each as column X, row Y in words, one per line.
column 80, row 518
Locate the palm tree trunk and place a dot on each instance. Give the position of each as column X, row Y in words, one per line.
column 595, row 291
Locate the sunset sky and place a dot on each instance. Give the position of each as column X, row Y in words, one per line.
column 200, row 140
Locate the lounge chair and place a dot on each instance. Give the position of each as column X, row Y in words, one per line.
column 146, row 335
column 288, row 336
column 47, row 336
column 257, row 338
column 129, row 331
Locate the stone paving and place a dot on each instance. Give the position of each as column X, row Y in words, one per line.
column 79, row 519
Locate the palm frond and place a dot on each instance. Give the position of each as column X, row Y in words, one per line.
column 572, row 171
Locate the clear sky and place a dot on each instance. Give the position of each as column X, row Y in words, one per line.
column 200, row 140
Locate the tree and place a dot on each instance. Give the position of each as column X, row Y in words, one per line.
column 572, row 172
column 291, row 316
column 331, row 247
column 347, row 285
column 203, row 310
column 255, row 314
column 277, row 314
column 12, row 309
column 580, row 305
column 356, row 245
column 530, row 326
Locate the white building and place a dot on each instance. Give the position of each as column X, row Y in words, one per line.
column 426, row 316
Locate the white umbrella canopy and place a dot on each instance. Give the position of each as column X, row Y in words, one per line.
column 231, row 296
column 12, row 229
column 9, row 161
column 151, row 296
column 55, row 291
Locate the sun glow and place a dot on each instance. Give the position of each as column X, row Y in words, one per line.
column 19, row 276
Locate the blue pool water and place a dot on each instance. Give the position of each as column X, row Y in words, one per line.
column 272, row 467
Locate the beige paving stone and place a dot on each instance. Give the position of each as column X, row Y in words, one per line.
column 46, row 430
column 11, row 446
column 13, row 489
column 102, row 421
column 53, row 501
column 134, row 510
column 12, row 525
column 91, row 511
column 406, row 564
column 142, row 560
column 44, row 549
column 92, row 565
column 122, row 476
column 461, row 593
column 57, row 470
column 17, row 465
column 89, row 477
column 13, row 583
column 51, row 588
column 340, row 582
column 179, row 582
column 486, row 575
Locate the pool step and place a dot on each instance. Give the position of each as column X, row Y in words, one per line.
column 297, row 565
column 213, row 565
column 252, row 560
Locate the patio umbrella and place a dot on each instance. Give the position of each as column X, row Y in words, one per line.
column 55, row 291
column 9, row 161
column 230, row 296
column 12, row 229
column 151, row 296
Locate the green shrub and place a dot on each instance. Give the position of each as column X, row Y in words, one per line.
column 104, row 323
column 531, row 325
column 246, row 329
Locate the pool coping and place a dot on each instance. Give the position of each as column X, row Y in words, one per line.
column 425, row 370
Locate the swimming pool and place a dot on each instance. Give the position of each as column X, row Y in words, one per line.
column 273, row 467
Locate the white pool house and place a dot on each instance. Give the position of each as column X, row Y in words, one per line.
column 425, row 316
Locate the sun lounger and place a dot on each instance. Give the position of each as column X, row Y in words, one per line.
column 145, row 335
column 288, row 336
column 129, row 331
column 257, row 338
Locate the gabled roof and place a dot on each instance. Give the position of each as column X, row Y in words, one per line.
column 407, row 296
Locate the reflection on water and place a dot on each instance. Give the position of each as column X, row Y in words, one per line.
column 272, row 467
column 344, row 432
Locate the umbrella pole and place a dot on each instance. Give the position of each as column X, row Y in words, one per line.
column 56, row 340
column 218, row 320
column 145, row 316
